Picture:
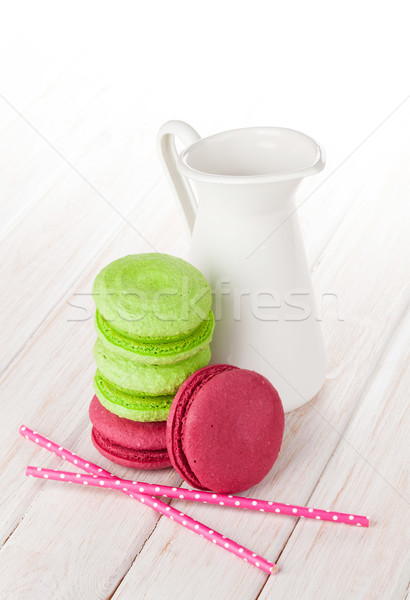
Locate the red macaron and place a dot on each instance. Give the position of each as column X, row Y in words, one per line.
column 225, row 429
column 128, row 443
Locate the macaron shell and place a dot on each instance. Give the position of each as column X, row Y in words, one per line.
column 136, row 459
column 147, row 379
column 131, row 406
column 133, row 435
column 176, row 419
column 152, row 296
column 230, row 426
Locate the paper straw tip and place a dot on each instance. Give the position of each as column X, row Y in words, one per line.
column 274, row 569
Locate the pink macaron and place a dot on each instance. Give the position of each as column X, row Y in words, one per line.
column 225, row 428
column 128, row 443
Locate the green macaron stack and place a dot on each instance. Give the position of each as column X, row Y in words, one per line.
column 154, row 324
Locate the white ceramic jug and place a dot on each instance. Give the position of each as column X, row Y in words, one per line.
column 246, row 241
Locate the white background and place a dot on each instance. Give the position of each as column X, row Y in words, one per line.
column 333, row 70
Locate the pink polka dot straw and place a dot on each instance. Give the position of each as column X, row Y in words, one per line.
column 101, row 478
column 143, row 492
column 206, row 497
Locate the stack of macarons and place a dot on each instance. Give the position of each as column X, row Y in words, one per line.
column 154, row 324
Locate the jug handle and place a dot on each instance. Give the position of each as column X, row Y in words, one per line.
column 168, row 154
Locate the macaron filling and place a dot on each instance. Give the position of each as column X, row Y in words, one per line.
column 131, row 406
column 185, row 400
column 186, row 344
column 152, row 296
column 146, row 379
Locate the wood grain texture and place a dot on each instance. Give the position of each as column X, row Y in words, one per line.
column 64, row 543
column 75, row 246
column 369, row 468
column 358, row 257
column 53, row 380
column 112, row 165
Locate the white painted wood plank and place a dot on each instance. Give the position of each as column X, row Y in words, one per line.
column 369, row 471
column 100, row 531
column 70, row 221
column 79, row 118
column 323, row 206
column 51, row 386
column 57, row 105
column 51, row 247
column 307, row 444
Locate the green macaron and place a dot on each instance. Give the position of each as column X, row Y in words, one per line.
column 135, row 407
column 154, row 352
column 152, row 297
column 143, row 378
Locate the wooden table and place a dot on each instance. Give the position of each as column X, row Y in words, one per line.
column 81, row 186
